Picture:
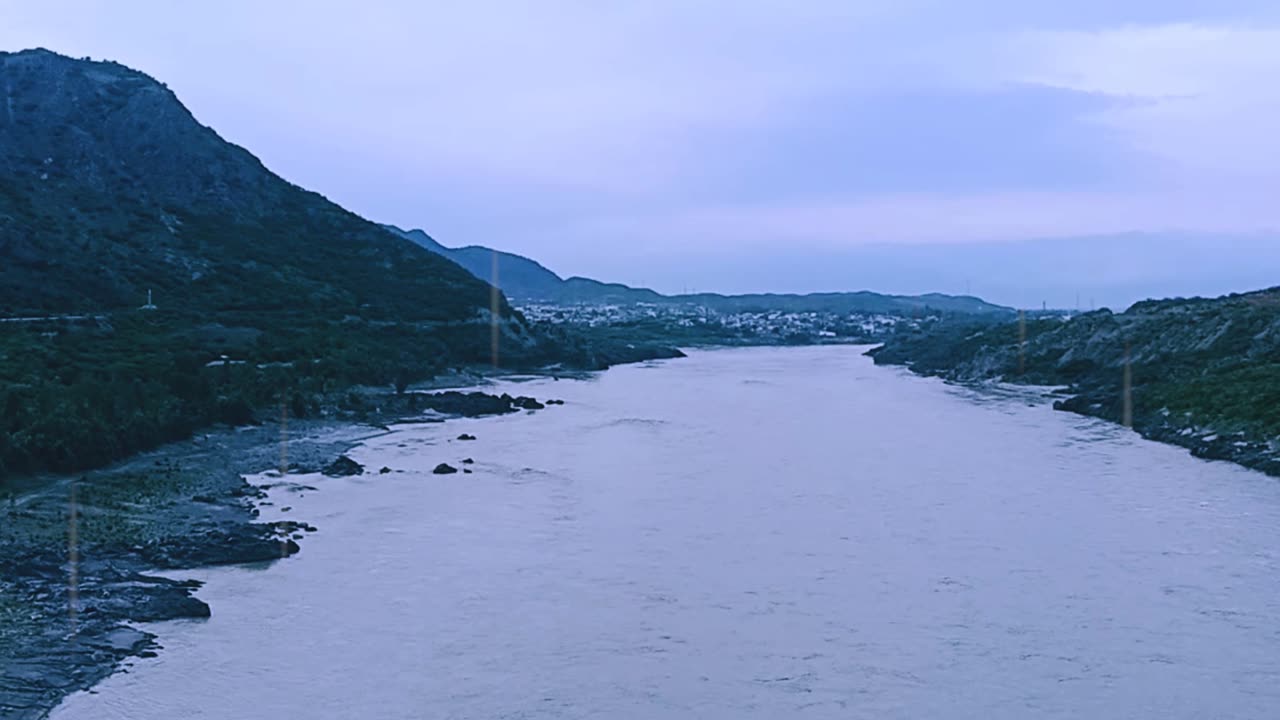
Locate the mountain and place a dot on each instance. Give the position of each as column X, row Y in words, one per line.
column 110, row 188
column 525, row 280
column 1069, row 272
column 849, row 302
column 266, row 295
column 519, row 277
column 1201, row 373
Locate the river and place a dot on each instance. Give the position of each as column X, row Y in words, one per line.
column 758, row 533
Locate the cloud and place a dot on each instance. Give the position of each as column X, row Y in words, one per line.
column 926, row 218
column 582, row 132
column 1200, row 97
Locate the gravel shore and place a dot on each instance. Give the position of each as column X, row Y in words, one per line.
column 76, row 553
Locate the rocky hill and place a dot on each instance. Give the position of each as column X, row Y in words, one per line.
column 110, row 188
column 265, row 294
column 1201, row 373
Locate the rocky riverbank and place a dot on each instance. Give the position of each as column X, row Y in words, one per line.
column 1203, row 374
column 77, row 553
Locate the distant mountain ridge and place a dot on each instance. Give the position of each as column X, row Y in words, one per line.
column 526, row 280
column 515, row 274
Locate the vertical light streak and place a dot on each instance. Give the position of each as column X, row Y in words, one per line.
column 495, row 306
column 1127, row 417
column 284, row 463
column 73, row 556
column 1022, row 342
column 284, row 438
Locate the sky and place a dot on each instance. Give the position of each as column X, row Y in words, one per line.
column 1024, row 151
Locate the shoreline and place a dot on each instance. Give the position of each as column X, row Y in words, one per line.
column 204, row 515
column 1204, row 443
column 78, row 553
column 1238, row 448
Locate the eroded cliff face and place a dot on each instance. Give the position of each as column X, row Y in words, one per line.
column 1202, row 373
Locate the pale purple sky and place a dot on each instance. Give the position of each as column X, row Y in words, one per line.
column 670, row 142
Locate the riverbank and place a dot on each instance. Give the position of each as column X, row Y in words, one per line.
column 751, row 534
column 1200, row 374
column 76, row 553
column 1238, row 447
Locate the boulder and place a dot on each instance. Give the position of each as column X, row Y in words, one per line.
column 445, row 469
column 465, row 436
column 343, row 467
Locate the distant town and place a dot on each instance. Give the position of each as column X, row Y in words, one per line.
column 757, row 327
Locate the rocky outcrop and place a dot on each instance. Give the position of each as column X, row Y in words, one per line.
column 473, row 404
column 230, row 544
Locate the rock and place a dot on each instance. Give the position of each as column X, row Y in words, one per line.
column 527, row 403
column 384, row 471
column 157, row 604
column 445, row 469
column 122, row 641
column 468, row 461
column 231, row 544
column 465, row 436
column 472, row 404
column 466, row 471
column 343, row 467
column 555, row 402
column 247, row 490
column 289, row 527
